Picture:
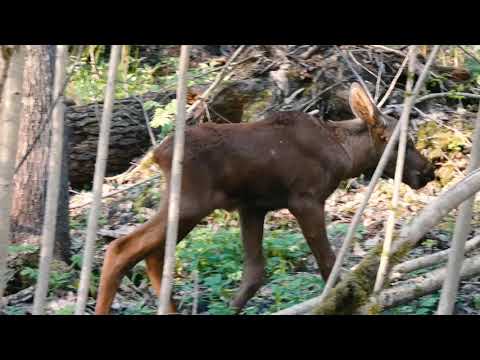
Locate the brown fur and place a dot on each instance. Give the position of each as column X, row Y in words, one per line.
column 288, row 160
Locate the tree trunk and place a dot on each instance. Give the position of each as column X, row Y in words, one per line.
column 53, row 189
column 31, row 178
column 11, row 105
column 5, row 54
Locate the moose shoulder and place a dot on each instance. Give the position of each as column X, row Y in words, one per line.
column 288, row 160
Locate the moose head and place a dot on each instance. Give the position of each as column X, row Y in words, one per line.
column 418, row 171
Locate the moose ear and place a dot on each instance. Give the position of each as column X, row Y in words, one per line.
column 362, row 107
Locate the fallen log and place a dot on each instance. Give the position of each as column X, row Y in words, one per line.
column 129, row 136
column 418, row 287
column 432, row 259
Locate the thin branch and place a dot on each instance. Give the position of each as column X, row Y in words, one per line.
column 365, row 68
column 473, row 56
column 217, row 81
column 432, row 259
column 53, row 190
column 352, row 69
column 319, row 95
column 379, row 80
column 443, row 94
column 100, row 167
column 393, row 83
column 404, row 119
column 387, row 49
column 119, row 191
column 147, row 121
column 462, row 229
column 175, row 185
column 384, row 259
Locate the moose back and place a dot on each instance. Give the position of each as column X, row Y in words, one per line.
column 287, row 160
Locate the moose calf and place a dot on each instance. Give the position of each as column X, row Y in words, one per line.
column 287, row 160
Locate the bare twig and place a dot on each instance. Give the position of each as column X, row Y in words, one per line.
column 387, row 49
column 175, row 185
column 384, row 259
column 443, row 94
column 462, row 229
column 365, row 68
column 432, row 259
column 217, row 81
column 473, row 56
column 393, row 83
column 409, row 101
column 205, row 106
column 100, row 167
column 357, row 75
column 379, row 79
column 119, row 191
column 147, row 121
column 319, row 95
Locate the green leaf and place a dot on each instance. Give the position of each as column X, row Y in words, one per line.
column 150, row 104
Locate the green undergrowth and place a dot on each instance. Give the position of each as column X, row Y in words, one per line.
column 218, row 257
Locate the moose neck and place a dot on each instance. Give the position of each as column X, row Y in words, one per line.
column 359, row 145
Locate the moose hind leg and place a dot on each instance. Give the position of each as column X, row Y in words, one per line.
column 124, row 253
column 251, row 221
column 155, row 260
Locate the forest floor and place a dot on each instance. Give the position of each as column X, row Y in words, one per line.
column 209, row 260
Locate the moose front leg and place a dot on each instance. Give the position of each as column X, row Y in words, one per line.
column 251, row 221
column 310, row 215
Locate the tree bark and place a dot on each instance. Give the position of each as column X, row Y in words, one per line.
column 11, row 104
column 53, row 190
column 129, row 137
column 31, row 178
column 5, row 55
